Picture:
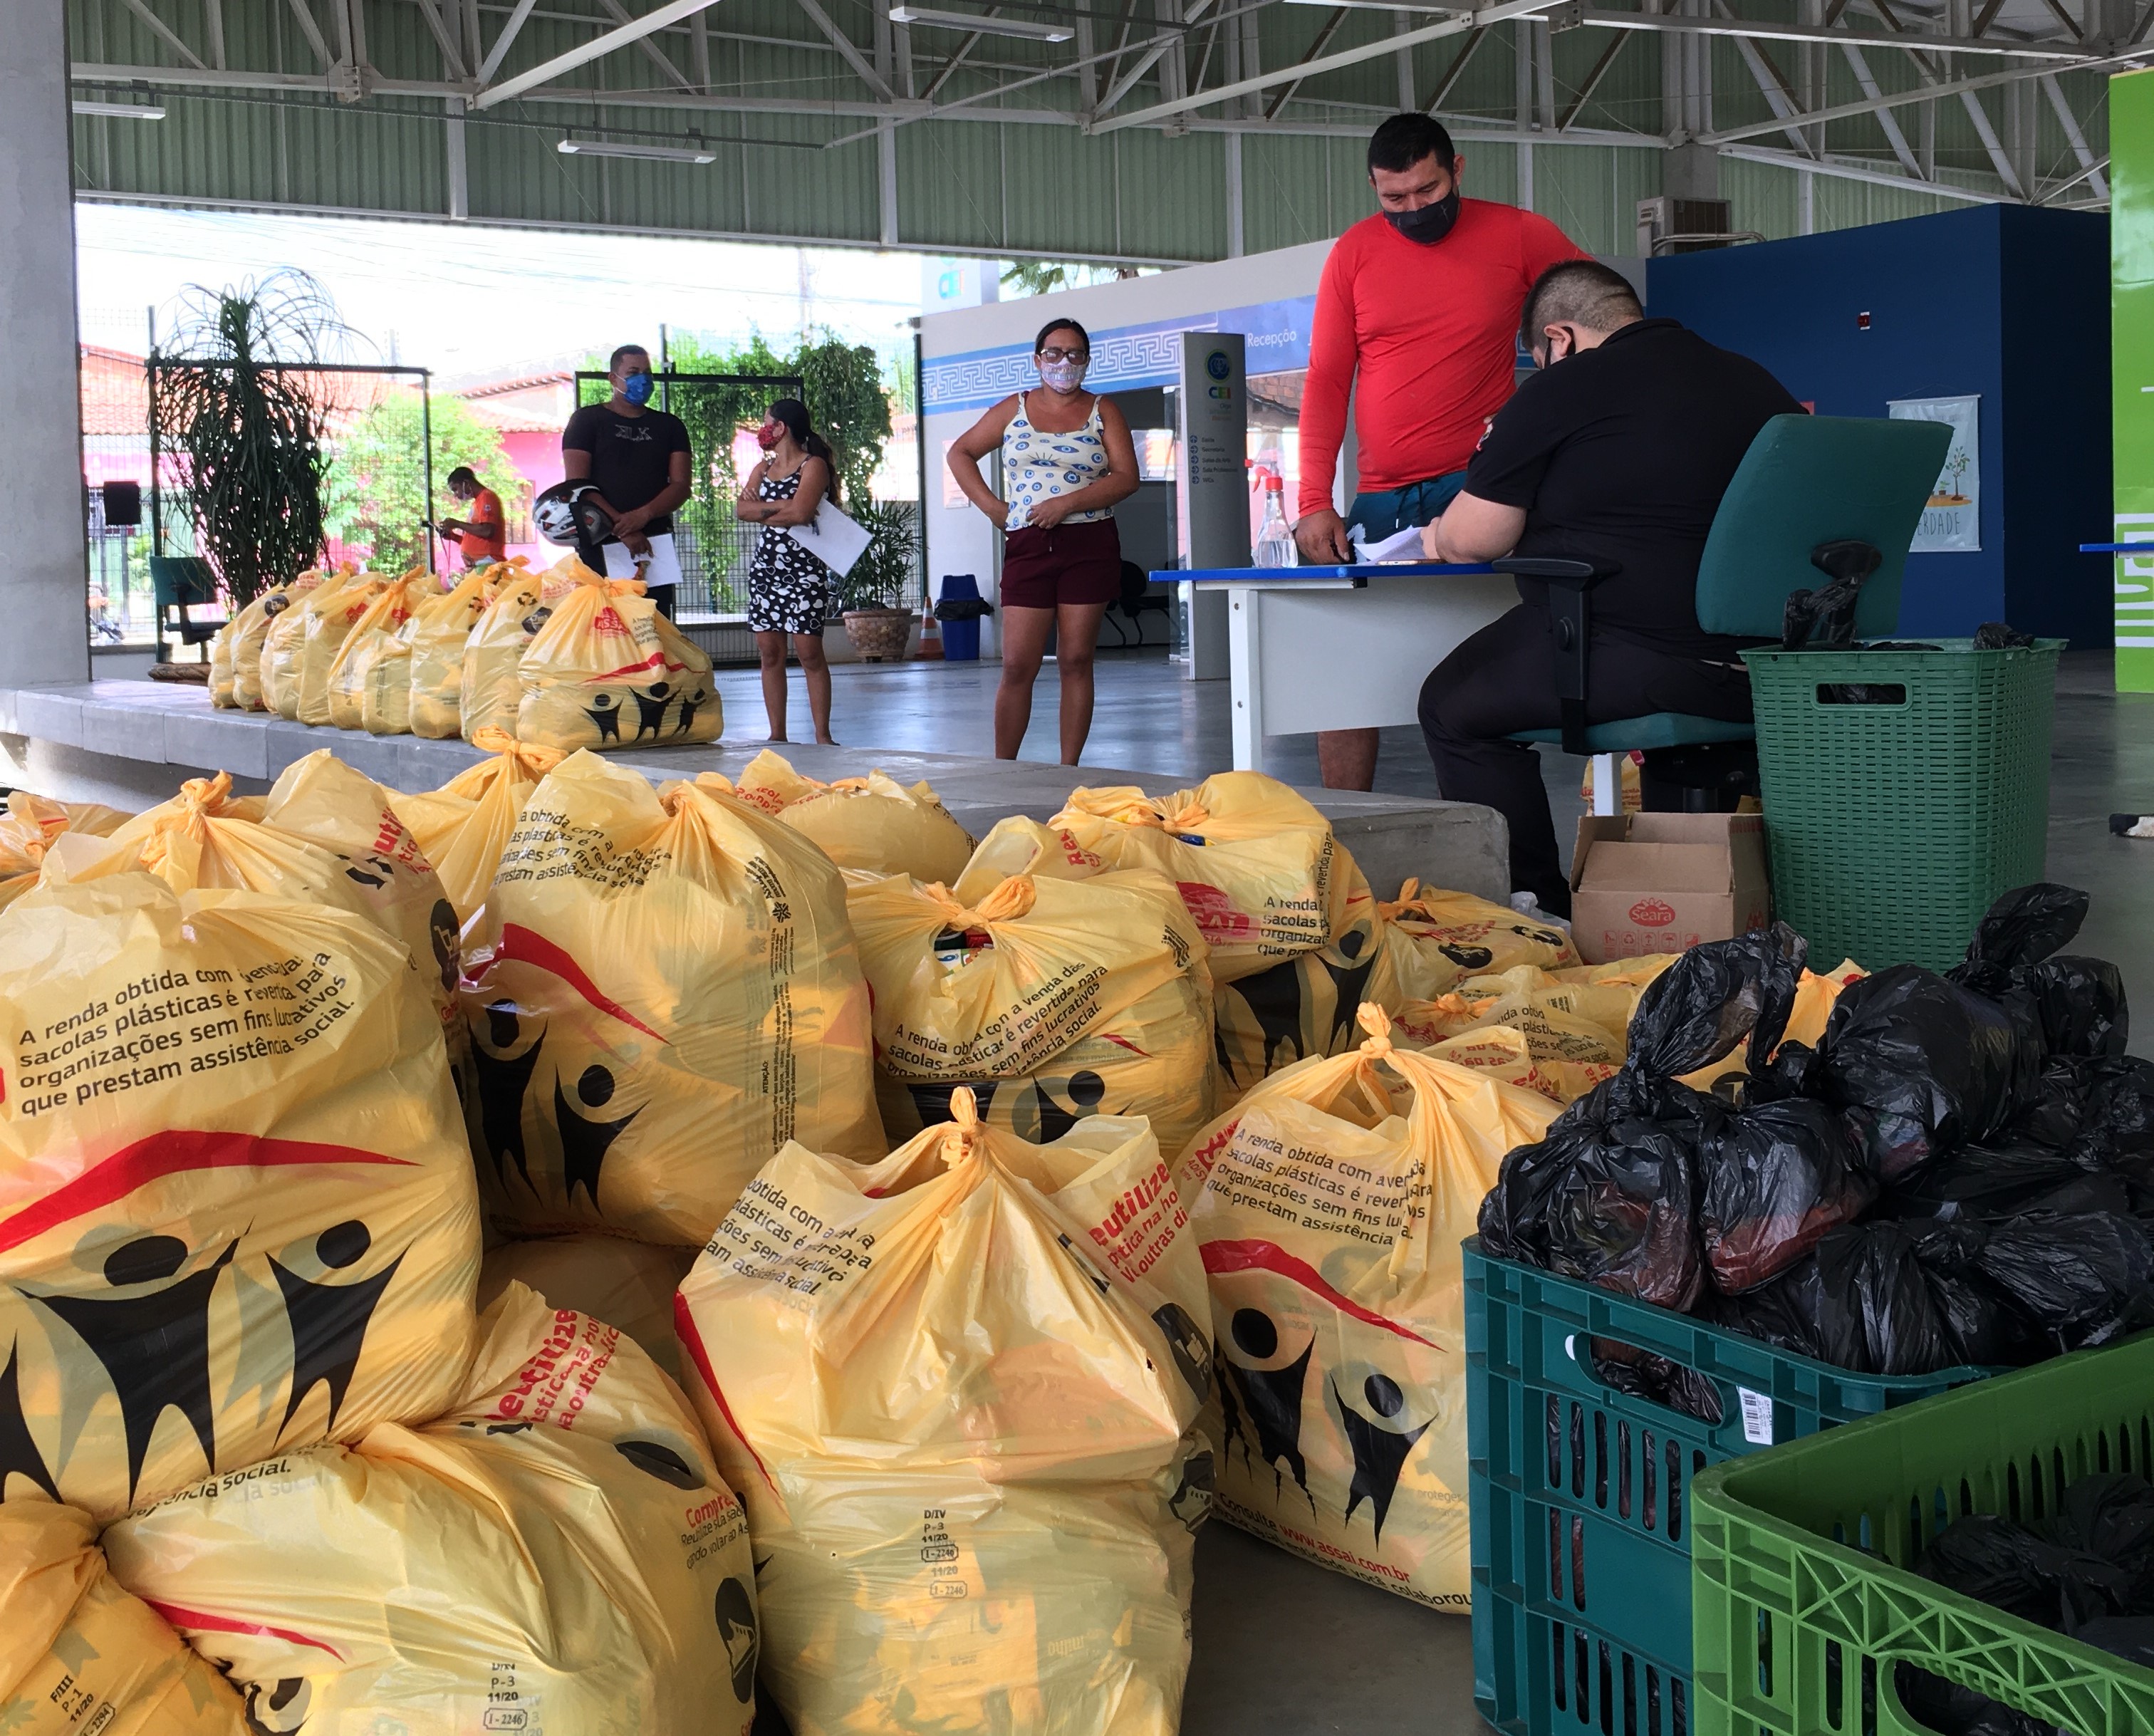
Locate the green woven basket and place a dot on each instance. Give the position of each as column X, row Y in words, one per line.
column 1895, row 820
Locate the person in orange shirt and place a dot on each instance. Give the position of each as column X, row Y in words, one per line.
column 483, row 536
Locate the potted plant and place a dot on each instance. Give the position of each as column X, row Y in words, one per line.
column 873, row 595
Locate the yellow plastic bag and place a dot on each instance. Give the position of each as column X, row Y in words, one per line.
column 237, row 1210
column 464, row 827
column 1430, row 939
column 628, row 1285
column 78, row 1654
column 223, row 691
column 873, row 823
column 283, row 641
column 328, row 618
column 1816, row 994
column 1303, row 1006
column 1329, row 1208
column 325, row 832
column 556, row 1553
column 1582, row 1023
column 1256, row 863
column 1050, row 999
column 1504, row 1052
column 250, row 634
column 958, row 1391
column 438, row 633
column 489, row 691
column 373, row 641
column 606, row 669
column 661, row 991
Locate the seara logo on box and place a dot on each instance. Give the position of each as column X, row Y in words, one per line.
column 1652, row 913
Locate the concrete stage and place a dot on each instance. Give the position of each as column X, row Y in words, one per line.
column 131, row 742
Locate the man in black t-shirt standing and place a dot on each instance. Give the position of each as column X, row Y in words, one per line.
column 1618, row 452
column 639, row 459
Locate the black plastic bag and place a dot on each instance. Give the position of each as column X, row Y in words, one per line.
column 2077, row 1003
column 1951, row 1710
column 1774, row 1179
column 1875, row 1298
column 1610, row 1194
column 2024, row 926
column 2073, row 1280
column 2082, row 1005
column 2000, row 636
column 2016, row 1569
column 1989, row 1183
column 2110, row 1514
column 2129, row 1637
column 1645, row 1375
column 1922, row 1066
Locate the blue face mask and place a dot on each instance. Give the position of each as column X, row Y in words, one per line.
column 636, row 388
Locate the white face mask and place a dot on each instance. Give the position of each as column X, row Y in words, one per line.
column 1064, row 376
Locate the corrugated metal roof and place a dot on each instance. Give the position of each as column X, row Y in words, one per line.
column 1007, row 172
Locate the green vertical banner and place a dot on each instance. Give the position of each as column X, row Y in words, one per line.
column 2132, row 338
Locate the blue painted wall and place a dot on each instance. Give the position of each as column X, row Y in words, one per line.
column 2004, row 300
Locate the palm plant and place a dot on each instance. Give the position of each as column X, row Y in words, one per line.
column 236, row 392
column 887, row 574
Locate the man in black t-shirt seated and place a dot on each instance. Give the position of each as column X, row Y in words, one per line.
column 639, row 459
column 1617, row 452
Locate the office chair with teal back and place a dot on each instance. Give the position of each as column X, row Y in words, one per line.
column 1815, row 498
column 181, row 582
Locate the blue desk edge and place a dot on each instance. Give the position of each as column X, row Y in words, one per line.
column 1276, row 576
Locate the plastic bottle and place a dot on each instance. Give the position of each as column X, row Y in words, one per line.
column 1275, row 545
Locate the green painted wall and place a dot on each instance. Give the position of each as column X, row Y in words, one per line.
column 2131, row 340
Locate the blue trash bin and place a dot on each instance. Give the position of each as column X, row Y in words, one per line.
column 959, row 607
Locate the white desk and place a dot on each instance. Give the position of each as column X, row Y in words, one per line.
column 1341, row 647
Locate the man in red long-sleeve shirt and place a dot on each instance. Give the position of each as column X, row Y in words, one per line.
column 1417, row 318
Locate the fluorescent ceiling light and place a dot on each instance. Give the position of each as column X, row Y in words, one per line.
column 1037, row 29
column 121, row 111
column 648, row 153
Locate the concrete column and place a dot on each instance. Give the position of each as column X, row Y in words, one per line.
column 44, row 579
column 1691, row 171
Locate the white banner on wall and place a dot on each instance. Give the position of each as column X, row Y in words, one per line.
column 1952, row 522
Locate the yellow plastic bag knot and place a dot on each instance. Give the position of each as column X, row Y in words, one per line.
column 1388, row 909
column 206, row 795
column 1377, row 1023
column 1009, row 901
column 489, row 738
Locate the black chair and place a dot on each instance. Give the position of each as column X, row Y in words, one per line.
column 1134, row 604
column 182, row 582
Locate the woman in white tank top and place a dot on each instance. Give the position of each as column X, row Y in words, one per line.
column 1067, row 458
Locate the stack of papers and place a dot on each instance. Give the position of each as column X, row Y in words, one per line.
column 1405, row 545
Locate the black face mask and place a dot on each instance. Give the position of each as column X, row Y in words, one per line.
column 1431, row 224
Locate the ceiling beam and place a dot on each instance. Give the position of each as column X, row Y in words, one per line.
column 499, row 52
column 846, row 46
column 606, row 43
column 304, row 11
column 1772, row 83
column 1859, row 64
column 1456, row 25
column 1324, row 32
column 141, row 10
column 1160, row 44
column 2089, row 169
column 649, row 49
column 1446, row 84
column 1900, row 99
column 1765, row 31
column 1849, row 172
column 451, row 55
column 1584, row 94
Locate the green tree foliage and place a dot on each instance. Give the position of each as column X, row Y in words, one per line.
column 378, row 487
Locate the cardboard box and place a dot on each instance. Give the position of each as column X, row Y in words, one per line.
column 1660, row 882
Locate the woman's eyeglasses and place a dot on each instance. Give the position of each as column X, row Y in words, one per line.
column 1058, row 355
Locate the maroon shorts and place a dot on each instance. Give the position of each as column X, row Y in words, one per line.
column 1069, row 564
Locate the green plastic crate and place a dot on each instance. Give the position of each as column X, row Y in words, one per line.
column 1579, row 1494
column 1804, row 1594
column 1893, row 826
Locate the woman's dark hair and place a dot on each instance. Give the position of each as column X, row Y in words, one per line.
column 794, row 414
column 1053, row 326
column 1405, row 140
